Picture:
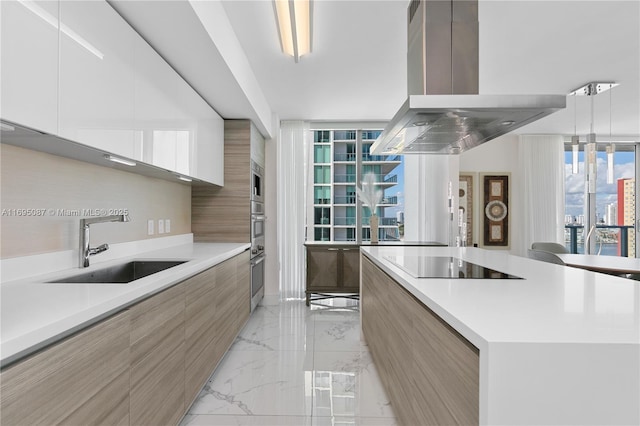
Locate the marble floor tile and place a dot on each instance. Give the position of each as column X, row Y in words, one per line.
column 346, row 384
column 353, row 421
column 295, row 365
column 226, row 420
column 338, row 331
column 258, row 383
column 265, row 332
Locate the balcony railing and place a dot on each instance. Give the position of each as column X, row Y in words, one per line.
column 351, row 178
column 349, row 199
column 368, row 157
column 341, row 156
column 390, row 200
column 344, row 157
column 351, row 221
column 623, row 241
column 322, row 201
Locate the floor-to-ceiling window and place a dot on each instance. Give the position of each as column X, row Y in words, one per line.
column 340, row 159
column 615, row 204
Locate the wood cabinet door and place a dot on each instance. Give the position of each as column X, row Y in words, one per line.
column 82, row 380
column 226, row 316
column 200, row 305
column 322, row 268
column 243, row 289
column 350, row 269
column 158, row 358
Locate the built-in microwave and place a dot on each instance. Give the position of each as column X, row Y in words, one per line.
column 257, row 182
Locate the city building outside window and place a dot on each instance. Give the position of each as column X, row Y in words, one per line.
column 335, row 171
column 615, row 202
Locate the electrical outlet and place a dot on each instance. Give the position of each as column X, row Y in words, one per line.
column 167, row 225
column 150, row 227
column 160, row 226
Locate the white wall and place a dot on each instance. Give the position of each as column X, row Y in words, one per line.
column 498, row 156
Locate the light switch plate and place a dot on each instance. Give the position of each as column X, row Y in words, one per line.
column 167, row 225
column 150, row 227
column 160, row 226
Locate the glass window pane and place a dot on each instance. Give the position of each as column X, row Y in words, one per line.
column 615, row 203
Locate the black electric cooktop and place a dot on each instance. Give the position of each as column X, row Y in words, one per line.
column 445, row 267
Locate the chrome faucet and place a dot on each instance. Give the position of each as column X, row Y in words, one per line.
column 85, row 250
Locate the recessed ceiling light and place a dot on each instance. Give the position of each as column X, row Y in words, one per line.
column 508, row 123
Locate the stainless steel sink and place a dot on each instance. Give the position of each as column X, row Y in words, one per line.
column 123, row 273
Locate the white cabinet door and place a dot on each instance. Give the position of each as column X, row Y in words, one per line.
column 97, row 77
column 156, row 111
column 206, row 135
column 209, row 148
column 29, row 51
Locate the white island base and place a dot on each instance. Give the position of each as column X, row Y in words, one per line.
column 560, row 346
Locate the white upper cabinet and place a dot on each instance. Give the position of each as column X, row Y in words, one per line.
column 78, row 70
column 97, row 53
column 206, row 133
column 156, row 112
column 29, row 58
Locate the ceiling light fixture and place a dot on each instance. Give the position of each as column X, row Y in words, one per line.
column 294, row 26
column 119, row 160
column 575, row 141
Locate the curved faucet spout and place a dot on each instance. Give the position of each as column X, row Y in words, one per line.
column 85, row 249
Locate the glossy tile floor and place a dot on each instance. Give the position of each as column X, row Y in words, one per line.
column 295, row 366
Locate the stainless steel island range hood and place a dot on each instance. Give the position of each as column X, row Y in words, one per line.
column 444, row 114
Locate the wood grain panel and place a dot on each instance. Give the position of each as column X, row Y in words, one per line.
column 243, row 289
column 223, row 214
column 430, row 372
column 158, row 359
column 226, row 322
column 351, row 268
column 82, row 380
column 200, row 297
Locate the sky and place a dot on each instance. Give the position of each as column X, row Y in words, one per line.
column 605, row 193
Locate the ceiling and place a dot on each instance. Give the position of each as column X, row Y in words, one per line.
column 229, row 51
column 357, row 69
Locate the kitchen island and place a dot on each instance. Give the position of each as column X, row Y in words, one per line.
column 558, row 346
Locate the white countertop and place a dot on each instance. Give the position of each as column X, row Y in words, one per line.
column 561, row 346
column 35, row 313
column 592, row 262
column 551, row 304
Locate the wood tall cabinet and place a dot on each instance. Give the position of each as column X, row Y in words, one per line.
column 332, row 269
column 430, row 371
column 223, row 214
column 83, row 380
column 143, row 366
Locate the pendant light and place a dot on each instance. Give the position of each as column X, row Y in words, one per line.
column 611, row 149
column 575, row 141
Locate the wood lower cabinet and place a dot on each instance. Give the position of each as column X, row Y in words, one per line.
column 216, row 309
column 429, row 370
column 143, row 366
column 332, row 269
column 157, row 358
column 82, row 380
column 200, row 301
